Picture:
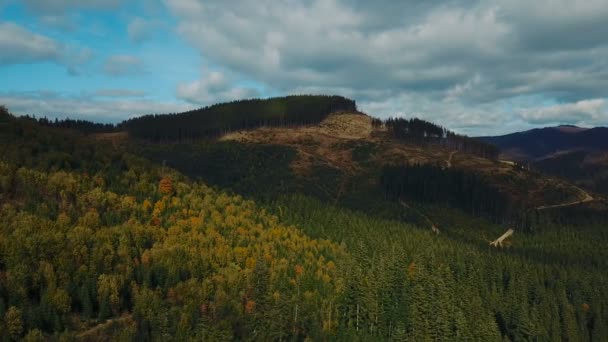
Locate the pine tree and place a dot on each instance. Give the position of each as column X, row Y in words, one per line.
column 13, row 322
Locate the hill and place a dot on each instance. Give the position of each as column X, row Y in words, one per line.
column 90, row 233
column 348, row 157
column 215, row 120
column 577, row 154
column 543, row 142
column 318, row 232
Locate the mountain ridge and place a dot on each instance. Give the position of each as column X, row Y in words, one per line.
column 574, row 153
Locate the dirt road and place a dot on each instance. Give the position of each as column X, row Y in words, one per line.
column 585, row 195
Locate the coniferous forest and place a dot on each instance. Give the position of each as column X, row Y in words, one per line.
column 212, row 121
column 106, row 242
column 421, row 131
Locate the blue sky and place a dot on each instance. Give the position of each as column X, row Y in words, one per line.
column 478, row 67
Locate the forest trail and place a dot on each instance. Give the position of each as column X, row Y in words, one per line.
column 586, row 198
column 93, row 333
column 449, row 160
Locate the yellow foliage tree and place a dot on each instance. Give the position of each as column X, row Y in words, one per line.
column 165, row 186
column 14, row 324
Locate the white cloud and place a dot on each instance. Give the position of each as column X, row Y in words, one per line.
column 19, row 45
column 88, row 107
column 60, row 6
column 213, row 87
column 63, row 14
column 583, row 112
column 123, row 65
column 119, row 93
column 140, row 29
column 461, row 89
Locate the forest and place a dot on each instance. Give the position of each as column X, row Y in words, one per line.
column 84, row 126
column 450, row 187
column 212, row 121
column 99, row 240
column 119, row 238
column 420, row 131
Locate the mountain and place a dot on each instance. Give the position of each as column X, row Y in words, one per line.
column 543, row 142
column 349, row 228
column 574, row 153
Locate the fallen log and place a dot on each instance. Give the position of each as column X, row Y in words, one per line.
column 498, row 242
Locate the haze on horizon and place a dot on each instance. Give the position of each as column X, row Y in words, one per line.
column 477, row 67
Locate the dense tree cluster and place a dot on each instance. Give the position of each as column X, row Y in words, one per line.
column 451, row 187
column 415, row 129
column 84, row 126
column 83, row 243
column 90, row 234
column 178, row 262
column 262, row 169
column 212, row 121
column 412, row 285
column 420, row 131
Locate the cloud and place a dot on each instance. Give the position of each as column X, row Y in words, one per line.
column 61, row 6
column 140, row 29
column 123, row 65
column 63, row 14
column 89, row 107
column 213, row 87
column 592, row 111
column 19, row 45
column 330, row 43
column 461, row 55
column 60, row 21
column 119, row 93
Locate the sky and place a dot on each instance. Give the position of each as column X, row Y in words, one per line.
column 477, row 67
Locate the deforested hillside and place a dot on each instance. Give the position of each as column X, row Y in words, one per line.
column 349, row 156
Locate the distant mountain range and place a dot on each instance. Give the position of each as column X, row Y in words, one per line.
column 576, row 153
column 541, row 143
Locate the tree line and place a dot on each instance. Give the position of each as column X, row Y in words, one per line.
column 451, row 187
column 215, row 120
column 420, row 131
column 84, row 126
column 218, row 119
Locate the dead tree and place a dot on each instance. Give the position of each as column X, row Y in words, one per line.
column 498, row 242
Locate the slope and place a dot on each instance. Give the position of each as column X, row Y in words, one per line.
column 91, row 234
column 573, row 153
column 79, row 243
column 351, row 145
column 542, row 142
